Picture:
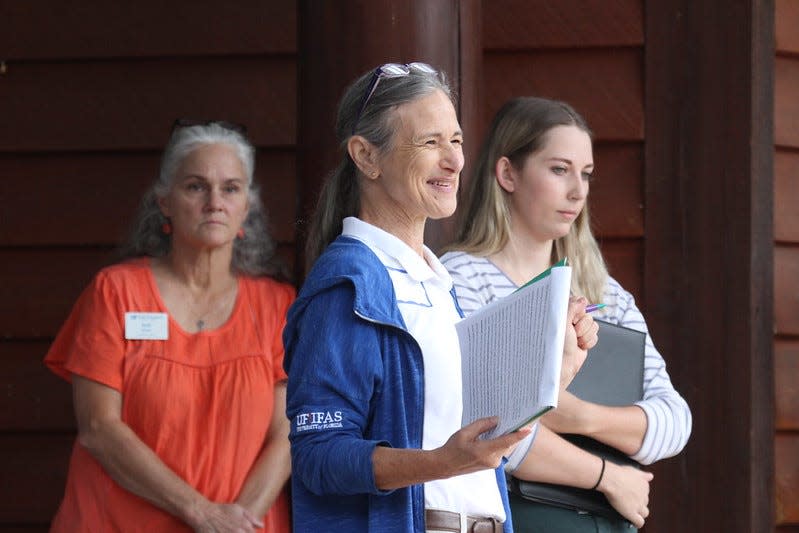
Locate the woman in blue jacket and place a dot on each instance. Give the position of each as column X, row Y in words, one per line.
column 374, row 388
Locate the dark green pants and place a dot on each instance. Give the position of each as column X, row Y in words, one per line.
column 531, row 517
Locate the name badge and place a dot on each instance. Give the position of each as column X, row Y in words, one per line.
column 146, row 326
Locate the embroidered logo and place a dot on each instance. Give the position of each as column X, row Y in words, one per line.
column 318, row 420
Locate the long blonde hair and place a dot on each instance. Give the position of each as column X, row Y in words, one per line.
column 519, row 130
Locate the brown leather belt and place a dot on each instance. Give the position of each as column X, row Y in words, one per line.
column 449, row 521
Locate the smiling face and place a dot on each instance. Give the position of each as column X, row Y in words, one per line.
column 417, row 176
column 208, row 201
column 549, row 191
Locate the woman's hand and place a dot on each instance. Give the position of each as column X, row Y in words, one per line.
column 466, row 452
column 463, row 453
column 627, row 490
column 585, row 327
column 581, row 335
column 224, row 518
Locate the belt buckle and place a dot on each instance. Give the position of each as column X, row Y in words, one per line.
column 479, row 523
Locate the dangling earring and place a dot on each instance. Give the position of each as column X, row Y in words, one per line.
column 166, row 228
column 240, row 233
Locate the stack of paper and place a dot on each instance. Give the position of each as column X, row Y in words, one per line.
column 511, row 352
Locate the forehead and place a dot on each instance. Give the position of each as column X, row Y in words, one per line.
column 433, row 113
column 566, row 140
column 220, row 156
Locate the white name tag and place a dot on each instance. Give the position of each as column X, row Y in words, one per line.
column 146, row 326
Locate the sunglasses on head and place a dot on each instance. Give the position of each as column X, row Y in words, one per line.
column 389, row 70
column 189, row 122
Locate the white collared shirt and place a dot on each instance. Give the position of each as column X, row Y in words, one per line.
column 422, row 286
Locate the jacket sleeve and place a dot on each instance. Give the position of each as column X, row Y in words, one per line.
column 334, row 370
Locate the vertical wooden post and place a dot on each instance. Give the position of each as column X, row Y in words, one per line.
column 709, row 254
column 337, row 41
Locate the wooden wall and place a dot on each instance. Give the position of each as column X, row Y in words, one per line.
column 88, row 93
column 786, row 265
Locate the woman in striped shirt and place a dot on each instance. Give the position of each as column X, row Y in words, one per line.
column 526, row 209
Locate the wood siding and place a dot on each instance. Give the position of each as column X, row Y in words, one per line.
column 786, row 265
column 84, row 122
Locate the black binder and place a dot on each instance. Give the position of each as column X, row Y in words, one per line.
column 613, row 374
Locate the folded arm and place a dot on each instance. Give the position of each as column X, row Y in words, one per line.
column 620, row 427
column 553, row 459
column 668, row 417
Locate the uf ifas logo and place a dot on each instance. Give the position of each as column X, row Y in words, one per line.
column 319, row 420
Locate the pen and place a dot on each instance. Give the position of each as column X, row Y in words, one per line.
column 593, row 307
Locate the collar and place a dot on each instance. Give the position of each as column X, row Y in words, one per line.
column 391, row 249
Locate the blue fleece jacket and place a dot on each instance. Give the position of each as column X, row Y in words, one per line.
column 356, row 381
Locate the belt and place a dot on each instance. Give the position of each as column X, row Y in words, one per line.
column 449, row 521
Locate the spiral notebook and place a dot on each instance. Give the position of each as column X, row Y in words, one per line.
column 613, row 374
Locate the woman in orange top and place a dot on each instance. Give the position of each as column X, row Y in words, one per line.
column 175, row 358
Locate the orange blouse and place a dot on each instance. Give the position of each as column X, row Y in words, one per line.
column 203, row 402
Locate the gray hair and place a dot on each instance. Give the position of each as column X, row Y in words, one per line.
column 254, row 254
column 340, row 194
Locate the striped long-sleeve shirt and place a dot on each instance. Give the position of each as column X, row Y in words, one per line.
column 479, row 282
